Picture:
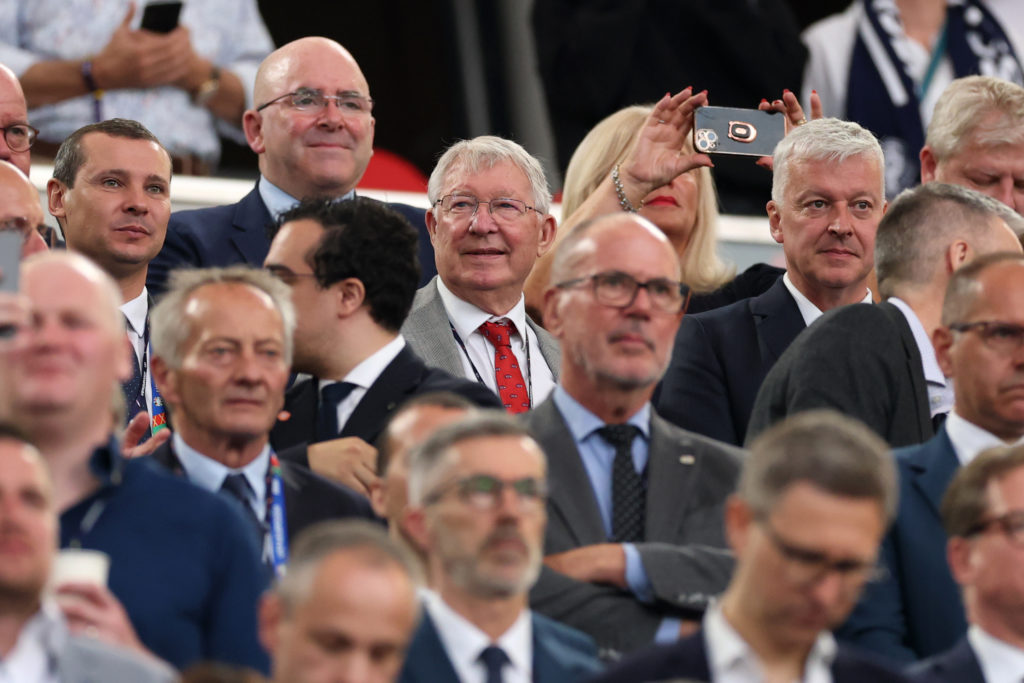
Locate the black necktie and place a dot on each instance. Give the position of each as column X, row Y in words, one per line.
column 237, row 486
column 134, row 394
column 938, row 420
column 327, row 426
column 629, row 496
column 495, row 659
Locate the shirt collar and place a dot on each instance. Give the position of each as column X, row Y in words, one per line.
column 932, row 372
column 210, row 474
column 367, row 372
column 135, row 311
column 582, row 423
column 1000, row 662
column 467, row 318
column 808, row 311
column 969, row 439
column 464, row 641
column 278, row 201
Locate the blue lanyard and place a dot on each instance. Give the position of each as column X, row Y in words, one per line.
column 277, row 517
column 157, row 417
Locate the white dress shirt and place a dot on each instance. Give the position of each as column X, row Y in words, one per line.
column 940, row 389
column 136, row 311
column 34, row 657
column 1000, row 662
column 731, row 660
column 808, row 311
column 969, row 439
column 207, row 473
column 463, row 642
column 278, row 201
column 363, row 376
column 479, row 353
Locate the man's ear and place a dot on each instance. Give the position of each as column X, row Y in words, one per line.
column 774, row 221
column 738, row 520
column 271, row 612
column 252, row 125
column 957, row 255
column 548, row 230
column 942, row 340
column 552, row 316
column 431, row 220
column 414, row 523
column 378, row 495
column 929, row 164
column 959, row 556
column 166, row 382
column 56, row 192
column 350, row 295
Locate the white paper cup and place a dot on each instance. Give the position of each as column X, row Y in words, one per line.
column 77, row 565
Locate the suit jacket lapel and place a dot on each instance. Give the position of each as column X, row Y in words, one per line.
column 934, row 466
column 427, row 661
column 380, row 400
column 914, row 367
column 165, row 456
column 302, row 402
column 548, row 348
column 777, row 319
column 250, row 222
column 571, row 493
column 428, row 330
column 671, row 470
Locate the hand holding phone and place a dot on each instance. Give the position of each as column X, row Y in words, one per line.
column 161, row 17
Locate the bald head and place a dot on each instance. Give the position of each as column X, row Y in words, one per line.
column 297, row 55
column 20, row 209
column 12, row 111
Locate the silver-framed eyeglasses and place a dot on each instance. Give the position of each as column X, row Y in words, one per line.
column 484, row 492
column 20, row 136
column 807, row 567
column 618, row 290
column 466, row 205
column 1002, row 337
column 312, row 100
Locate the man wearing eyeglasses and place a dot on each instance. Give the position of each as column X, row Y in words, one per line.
column 488, row 223
column 813, row 502
column 983, row 514
column 312, row 127
column 828, row 194
column 18, row 137
column 634, row 544
column 476, row 492
column 916, row 611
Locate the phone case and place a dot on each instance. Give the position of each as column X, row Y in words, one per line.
column 747, row 132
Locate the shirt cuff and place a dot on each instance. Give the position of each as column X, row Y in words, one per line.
column 668, row 631
column 636, row 575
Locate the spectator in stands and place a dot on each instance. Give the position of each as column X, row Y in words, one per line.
column 914, row 611
column 876, row 363
column 346, row 609
column 489, row 223
column 222, row 346
column 14, row 122
column 351, row 267
column 976, row 139
column 814, row 499
column 111, row 195
column 982, row 513
column 185, row 574
column 20, row 210
column 312, row 128
column 38, row 643
column 84, row 64
column 828, row 195
column 476, row 493
column 634, row 544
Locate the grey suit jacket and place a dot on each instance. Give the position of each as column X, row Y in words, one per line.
column 684, row 554
column 428, row 332
column 86, row 660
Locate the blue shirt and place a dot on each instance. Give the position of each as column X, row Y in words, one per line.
column 183, row 562
column 598, row 457
column 278, row 201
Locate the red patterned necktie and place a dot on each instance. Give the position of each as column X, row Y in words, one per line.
column 507, row 375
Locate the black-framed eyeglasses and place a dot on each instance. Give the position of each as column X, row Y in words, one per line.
column 806, row 567
column 999, row 336
column 617, row 289
column 20, row 136
column 484, row 492
column 310, row 100
column 1011, row 524
column 286, row 275
column 466, row 205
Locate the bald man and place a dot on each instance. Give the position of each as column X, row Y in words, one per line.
column 312, row 128
column 14, row 122
column 20, row 209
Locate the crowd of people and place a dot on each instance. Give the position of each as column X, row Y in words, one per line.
column 315, row 437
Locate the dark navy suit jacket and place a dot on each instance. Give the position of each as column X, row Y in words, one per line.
column 237, row 233
column 721, row 357
column 959, row 665
column 560, row 655
column 915, row 611
column 687, row 659
column 404, row 377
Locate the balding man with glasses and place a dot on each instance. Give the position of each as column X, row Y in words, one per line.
column 312, row 127
column 488, row 223
column 634, row 545
column 916, row 611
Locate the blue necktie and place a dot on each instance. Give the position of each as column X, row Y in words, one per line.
column 134, row 394
column 327, row 427
column 237, row 486
column 494, row 659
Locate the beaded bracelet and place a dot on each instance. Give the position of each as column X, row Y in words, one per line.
column 621, row 193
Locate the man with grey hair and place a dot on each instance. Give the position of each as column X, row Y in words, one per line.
column 828, row 195
column 814, row 499
column 476, row 493
column 489, row 223
column 634, row 547
column 976, row 139
column 876, row 363
column 346, row 609
column 915, row 610
column 221, row 358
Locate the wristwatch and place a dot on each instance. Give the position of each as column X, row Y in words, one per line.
column 208, row 88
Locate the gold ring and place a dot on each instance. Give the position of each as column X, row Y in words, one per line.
column 801, row 122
